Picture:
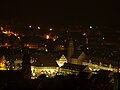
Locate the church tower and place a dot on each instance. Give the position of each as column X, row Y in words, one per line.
column 70, row 50
column 26, row 65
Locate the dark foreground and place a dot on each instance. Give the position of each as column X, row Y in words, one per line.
column 58, row 83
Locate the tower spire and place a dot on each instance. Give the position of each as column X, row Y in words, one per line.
column 26, row 65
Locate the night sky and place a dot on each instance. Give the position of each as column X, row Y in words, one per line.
column 61, row 12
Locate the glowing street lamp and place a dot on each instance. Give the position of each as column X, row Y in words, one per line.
column 38, row 27
column 84, row 34
column 29, row 26
column 103, row 38
column 18, row 37
column 47, row 36
column 50, row 29
column 91, row 27
column 1, row 28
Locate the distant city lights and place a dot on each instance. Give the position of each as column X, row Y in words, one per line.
column 103, row 38
column 30, row 26
column 50, row 29
column 62, row 46
column 18, row 37
column 1, row 28
column 54, row 39
column 38, row 27
column 87, row 48
column 91, row 27
column 47, row 36
column 84, row 34
column 46, row 50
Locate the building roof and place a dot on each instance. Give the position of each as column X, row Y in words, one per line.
column 76, row 54
column 104, row 72
column 74, row 66
column 45, row 59
column 104, row 61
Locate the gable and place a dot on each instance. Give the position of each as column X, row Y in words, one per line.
column 44, row 60
column 82, row 56
column 76, row 54
column 61, row 61
column 63, row 58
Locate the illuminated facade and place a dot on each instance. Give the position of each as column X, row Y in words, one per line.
column 78, row 57
column 44, row 64
column 2, row 63
column 93, row 63
column 61, row 61
column 49, row 71
column 75, row 69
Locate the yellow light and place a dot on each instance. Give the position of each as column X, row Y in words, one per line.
column 38, row 27
column 87, row 48
column 1, row 65
column 6, row 44
column 1, row 28
column 5, row 32
column 18, row 37
column 62, row 46
column 15, row 34
column 47, row 36
column 90, row 26
column 54, row 39
column 84, row 34
column 90, row 68
column 50, row 29
column 33, row 74
column 103, row 37
column 46, row 50
column 29, row 26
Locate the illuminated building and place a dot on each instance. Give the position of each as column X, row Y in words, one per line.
column 94, row 64
column 70, row 50
column 78, row 57
column 61, row 61
column 2, row 63
column 75, row 69
column 45, row 63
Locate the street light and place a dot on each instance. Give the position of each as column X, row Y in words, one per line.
column 91, row 27
column 103, row 37
column 1, row 28
column 38, row 27
column 47, row 36
column 29, row 26
column 50, row 29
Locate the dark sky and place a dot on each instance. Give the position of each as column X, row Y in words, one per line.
column 58, row 11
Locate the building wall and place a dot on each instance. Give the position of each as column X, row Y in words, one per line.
column 97, row 67
column 74, row 61
column 49, row 71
